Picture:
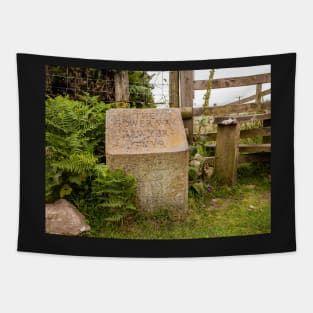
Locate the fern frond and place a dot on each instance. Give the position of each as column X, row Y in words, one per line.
column 77, row 163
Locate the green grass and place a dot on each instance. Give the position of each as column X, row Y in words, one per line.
column 243, row 209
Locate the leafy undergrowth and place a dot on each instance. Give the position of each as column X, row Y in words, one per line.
column 243, row 209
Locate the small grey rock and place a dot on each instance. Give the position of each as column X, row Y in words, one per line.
column 63, row 218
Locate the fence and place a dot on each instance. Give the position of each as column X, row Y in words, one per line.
column 228, row 150
column 122, row 88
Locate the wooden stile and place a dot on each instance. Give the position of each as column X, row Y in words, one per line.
column 258, row 94
column 227, row 152
column 186, row 100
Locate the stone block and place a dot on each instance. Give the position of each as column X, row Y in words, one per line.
column 151, row 145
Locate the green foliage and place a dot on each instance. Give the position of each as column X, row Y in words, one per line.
column 208, row 91
column 258, row 170
column 193, row 173
column 74, row 141
column 112, row 195
column 75, row 132
column 109, row 199
column 192, row 151
column 65, row 190
column 140, row 94
column 241, row 210
column 200, row 142
column 201, row 148
column 203, row 123
column 251, row 125
column 196, row 188
column 76, row 81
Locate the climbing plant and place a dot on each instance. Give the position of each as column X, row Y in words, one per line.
column 208, row 92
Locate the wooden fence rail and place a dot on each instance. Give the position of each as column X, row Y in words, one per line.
column 233, row 81
column 233, row 108
column 243, row 118
column 247, row 133
column 251, row 98
column 246, row 148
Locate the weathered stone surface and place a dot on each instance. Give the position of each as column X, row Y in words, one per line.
column 150, row 144
column 63, row 218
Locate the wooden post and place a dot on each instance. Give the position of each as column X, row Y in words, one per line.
column 174, row 90
column 121, row 84
column 227, row 151
column 266, row 123
column 258, row 93
column 266, row 139
column 186, row 100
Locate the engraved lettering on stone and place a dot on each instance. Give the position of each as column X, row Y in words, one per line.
column 151, row 145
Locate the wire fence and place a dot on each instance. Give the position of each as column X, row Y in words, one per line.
column 146, row 89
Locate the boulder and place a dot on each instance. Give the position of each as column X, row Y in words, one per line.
column 63, row 218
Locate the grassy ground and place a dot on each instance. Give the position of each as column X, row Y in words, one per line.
column 227, row 211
